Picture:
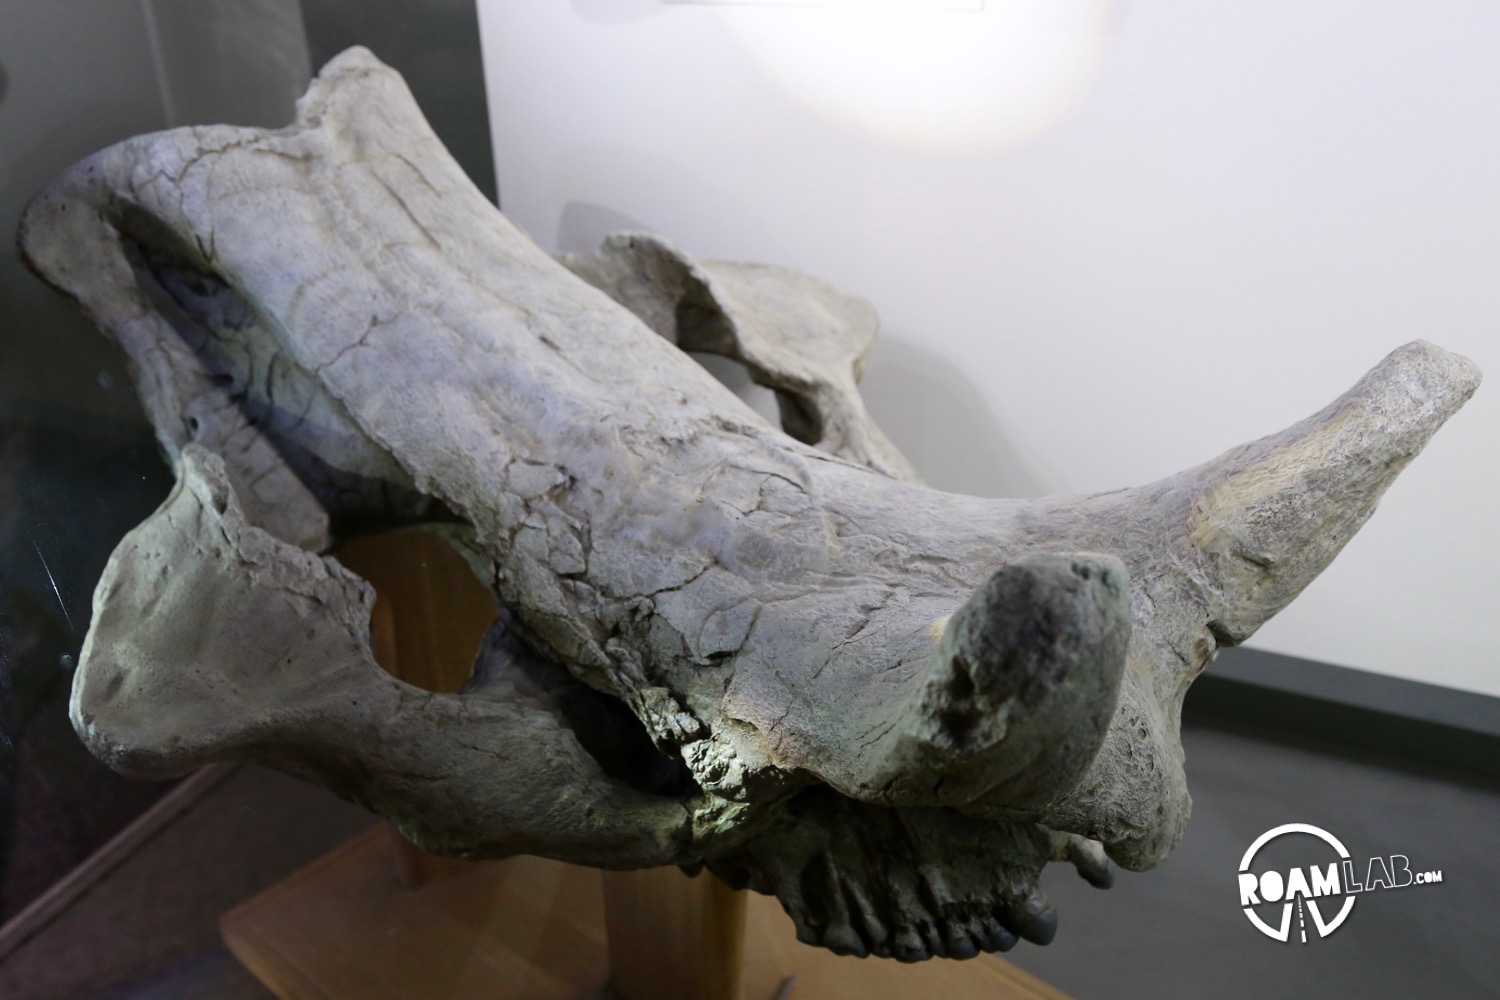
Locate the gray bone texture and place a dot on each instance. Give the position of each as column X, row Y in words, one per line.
column 773, row 653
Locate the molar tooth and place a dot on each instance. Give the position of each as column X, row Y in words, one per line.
column 1089, row 859
column 1032, row 917
column 957, row 937
column 909, row 946
column 867, row 914
column 993, row 936
column 842, row 939
column 933, row 937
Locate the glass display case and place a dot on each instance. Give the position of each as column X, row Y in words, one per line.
column 603, row 534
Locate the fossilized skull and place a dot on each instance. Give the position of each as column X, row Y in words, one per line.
column 888, row 705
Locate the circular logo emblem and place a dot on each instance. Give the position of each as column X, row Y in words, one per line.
column 1299, row 889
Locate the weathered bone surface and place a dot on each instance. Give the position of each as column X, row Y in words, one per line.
column 796, row 334
column 717, row 644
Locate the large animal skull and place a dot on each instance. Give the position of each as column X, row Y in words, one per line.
column 888, row 705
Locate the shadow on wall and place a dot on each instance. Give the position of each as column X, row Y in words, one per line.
column 922, row 401
column 582, row 226
column 698, row 210
column 925, row 404
column 617, row 11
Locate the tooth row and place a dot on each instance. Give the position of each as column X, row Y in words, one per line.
column 902, row 883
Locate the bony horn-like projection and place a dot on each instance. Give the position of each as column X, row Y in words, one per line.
column 889, row 705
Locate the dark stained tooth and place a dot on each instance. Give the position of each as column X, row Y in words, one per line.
column 1039, row 928
column 864, row 911
column 993, row 937
column 934, row 939
column 841, row 939
column 908, row 946
column 1031, row 916
column 1092, row 863
column 960, row 943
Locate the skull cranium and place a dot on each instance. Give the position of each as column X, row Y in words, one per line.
column 888, row 705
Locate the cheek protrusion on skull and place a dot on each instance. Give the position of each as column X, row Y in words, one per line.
column 214, row 640
column 1033, row 659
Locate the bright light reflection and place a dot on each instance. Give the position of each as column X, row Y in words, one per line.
column 942, row 80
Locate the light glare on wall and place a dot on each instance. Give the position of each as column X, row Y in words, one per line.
column 997, row 77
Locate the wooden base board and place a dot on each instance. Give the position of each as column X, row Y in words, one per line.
column 528, row 929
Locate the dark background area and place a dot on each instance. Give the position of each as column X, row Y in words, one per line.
column 435, row 45
column 1177, row 931
column 79, row 465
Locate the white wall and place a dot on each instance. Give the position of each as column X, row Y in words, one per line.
column 1108, row 241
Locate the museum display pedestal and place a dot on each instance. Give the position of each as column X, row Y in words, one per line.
column 345, row 927
column 530, row 929
column 673, row 936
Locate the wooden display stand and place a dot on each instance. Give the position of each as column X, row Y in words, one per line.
column 377, row 919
